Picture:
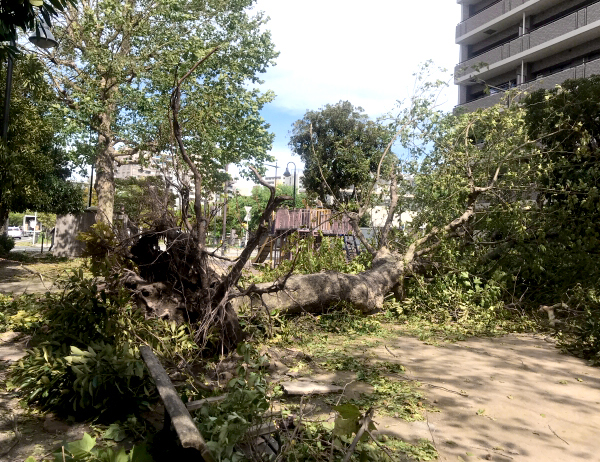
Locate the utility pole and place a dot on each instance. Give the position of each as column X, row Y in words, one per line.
column 224, row 234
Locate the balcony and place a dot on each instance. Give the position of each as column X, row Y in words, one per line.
column 492, row 12
column 539, row 42
column 547, row 82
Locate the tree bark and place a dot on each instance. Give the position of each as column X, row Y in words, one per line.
column 105, row 183
column 315, row 292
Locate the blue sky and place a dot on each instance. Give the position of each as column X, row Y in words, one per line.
column 363, row 52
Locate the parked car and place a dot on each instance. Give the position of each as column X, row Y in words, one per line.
column 15, row 232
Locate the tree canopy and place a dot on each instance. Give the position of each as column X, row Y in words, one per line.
column 340, row 147
column 35, row 164
column 118, row 63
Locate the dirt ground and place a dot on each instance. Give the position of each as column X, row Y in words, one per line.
column 514, row 398
column 509, row 398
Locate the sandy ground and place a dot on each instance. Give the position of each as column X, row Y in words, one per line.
column 510, row 398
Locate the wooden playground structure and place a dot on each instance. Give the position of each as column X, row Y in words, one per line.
column 305, row 222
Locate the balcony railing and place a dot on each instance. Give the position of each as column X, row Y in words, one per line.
column 534, row 38
column 546, row 82
column 490, row 13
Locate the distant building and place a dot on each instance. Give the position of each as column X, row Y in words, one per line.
column 130, row 166
column 528, row 44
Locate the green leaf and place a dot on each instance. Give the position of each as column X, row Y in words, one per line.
column 83, row 447
column 348, row 411
column 140, row 454
column 121, row 456
column 115, row 432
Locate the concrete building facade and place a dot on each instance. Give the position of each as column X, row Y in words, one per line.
column 528, row 44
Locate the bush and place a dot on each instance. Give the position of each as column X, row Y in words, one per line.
column 6, row 244
column 309, row 258
column 20, row 313
column 101, row 379
column 87, row 363
column 582, row 336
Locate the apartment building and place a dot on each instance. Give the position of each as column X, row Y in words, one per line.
column 529, row 44
column 130, row 166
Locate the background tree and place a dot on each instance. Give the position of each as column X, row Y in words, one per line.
column 115, row 67
column 258, row 200
column 340, row 147
column 34, row 164
column 143, row 200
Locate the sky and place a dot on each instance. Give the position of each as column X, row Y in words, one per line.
column 365, row 52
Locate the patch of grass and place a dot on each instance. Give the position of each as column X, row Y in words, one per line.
column 390, row 396
column 22, row 313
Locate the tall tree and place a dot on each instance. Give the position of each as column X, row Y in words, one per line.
column 340, row 147
column 115, row 68
column 34, row 164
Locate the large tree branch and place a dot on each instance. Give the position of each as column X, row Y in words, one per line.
column 236, row 270
column 392, row 209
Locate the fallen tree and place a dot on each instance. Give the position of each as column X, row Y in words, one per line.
column 480, row 162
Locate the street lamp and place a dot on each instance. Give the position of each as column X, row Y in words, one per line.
column 43, row 38
column 287, row 175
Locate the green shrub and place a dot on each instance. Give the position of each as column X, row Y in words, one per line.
column 225, row 425
column 454, row 297
column 6, row 244
column 307, row 258
column 87, row 362
column 20, row 313
column 100, row 379
column 582, row 336
column 85, row 450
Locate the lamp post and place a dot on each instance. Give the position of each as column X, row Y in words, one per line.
column 287, row 175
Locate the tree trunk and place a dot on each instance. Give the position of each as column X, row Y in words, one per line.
column 314, row 292
column 105, row 173
column 3, row 220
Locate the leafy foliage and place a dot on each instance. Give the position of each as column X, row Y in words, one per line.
column 224, row 426
column 313, row 255
column 20, row 314
column 86, row 450
column 34, row 164
column 143, row 200
column 6, row 244
column 87, row 363
column 582, row 336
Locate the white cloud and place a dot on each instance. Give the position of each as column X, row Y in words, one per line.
column 365, row 52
